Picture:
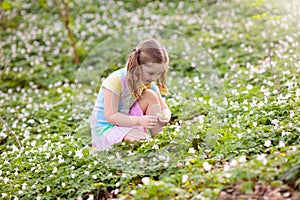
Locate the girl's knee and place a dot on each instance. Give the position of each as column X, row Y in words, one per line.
column 149, row 102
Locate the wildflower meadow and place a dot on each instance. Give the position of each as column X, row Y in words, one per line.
column 233, row 80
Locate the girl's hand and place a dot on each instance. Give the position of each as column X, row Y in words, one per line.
column 148, row 121
column 164, row 117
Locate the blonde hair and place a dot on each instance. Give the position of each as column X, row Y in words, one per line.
column 149, row 51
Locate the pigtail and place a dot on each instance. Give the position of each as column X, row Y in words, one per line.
column 133, row 59
column 133, row 74
column 161, row 84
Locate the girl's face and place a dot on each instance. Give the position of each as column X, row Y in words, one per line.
column 152, row 72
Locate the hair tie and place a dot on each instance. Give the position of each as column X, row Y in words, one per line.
column 137, row 51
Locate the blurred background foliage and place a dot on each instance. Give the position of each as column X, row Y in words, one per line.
column 233, row 81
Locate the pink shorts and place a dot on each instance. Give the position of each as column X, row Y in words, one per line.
column 117, row 133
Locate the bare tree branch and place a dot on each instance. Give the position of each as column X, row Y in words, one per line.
column 290, row 171
column 65, row 18
column 10, row 131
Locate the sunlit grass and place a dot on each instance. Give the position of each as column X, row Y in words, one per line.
column 248, row 132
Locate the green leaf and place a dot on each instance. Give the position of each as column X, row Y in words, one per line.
column 43, row 3
column 86, row 151
column 274, row 17
column 6, row 5
column 258, row 3
column 256, row 17
column 247, row 187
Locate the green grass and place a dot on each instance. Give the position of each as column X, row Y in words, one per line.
column 235, row 117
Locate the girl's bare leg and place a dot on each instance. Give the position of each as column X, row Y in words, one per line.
column 150, row 105
column 135, row 135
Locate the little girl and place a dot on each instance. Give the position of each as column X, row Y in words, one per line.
column 130, row 101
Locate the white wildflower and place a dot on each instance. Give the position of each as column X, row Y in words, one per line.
column 146, row 180
column 292, row 149
column 33, row 143
column 298, row 93
column 292, row 114
column 24, row 186
column 184, row 178
column 207, row 166
column 267, row 143
column 118, row 184
column 285, row 133
column 261, row 157
column 79, row 154
column 226, row 167
column 132, row 192
column 265, row 162
column 240, row 135
column 47, row 155
column 54, row 170
column 60, row 160
column 249, row 87
column 192, row 150
column 260, row 104
column 227, row 175
column 6, row 180
column 31, row 121
column 242, row 159
column 166, row 164
column 233, row 163
column 275, row 122
column 281, row 144
column 196, row 79
column 201, row 119
column 116, row 191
